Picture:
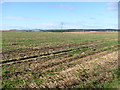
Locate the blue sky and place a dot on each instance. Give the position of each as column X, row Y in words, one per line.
column 49, row 15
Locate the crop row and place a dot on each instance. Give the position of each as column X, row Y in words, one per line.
column 45, row 52
column 55, row 71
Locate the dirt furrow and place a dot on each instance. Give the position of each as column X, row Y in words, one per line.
column 108, row 61
column 66, row 62
column 27, row 53
column 35, row 56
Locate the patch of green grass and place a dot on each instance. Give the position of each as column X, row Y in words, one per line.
column 8, row 71
column 113, row 84
column 23, row 38
column 12, row 83
column 38, row 81
column 40, row 73
column 107, row 84
column 58, row 79
column 4, row 72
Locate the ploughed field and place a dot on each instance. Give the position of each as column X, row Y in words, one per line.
column 59, row 60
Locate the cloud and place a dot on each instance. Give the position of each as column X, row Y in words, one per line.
column 1, row 2
column 19, row 18
column 46, row 25
column 67, row 7
column 57, row 25
column 72, row 26
column 49, row 25
column 6, row 27
column 92, row 18
column 76, row 25
column 112, row 6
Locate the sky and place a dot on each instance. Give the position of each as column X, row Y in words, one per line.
column 52, row 15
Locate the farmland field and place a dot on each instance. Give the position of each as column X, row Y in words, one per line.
column 39, row 59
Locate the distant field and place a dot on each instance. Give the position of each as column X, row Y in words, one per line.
column 59, row 59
